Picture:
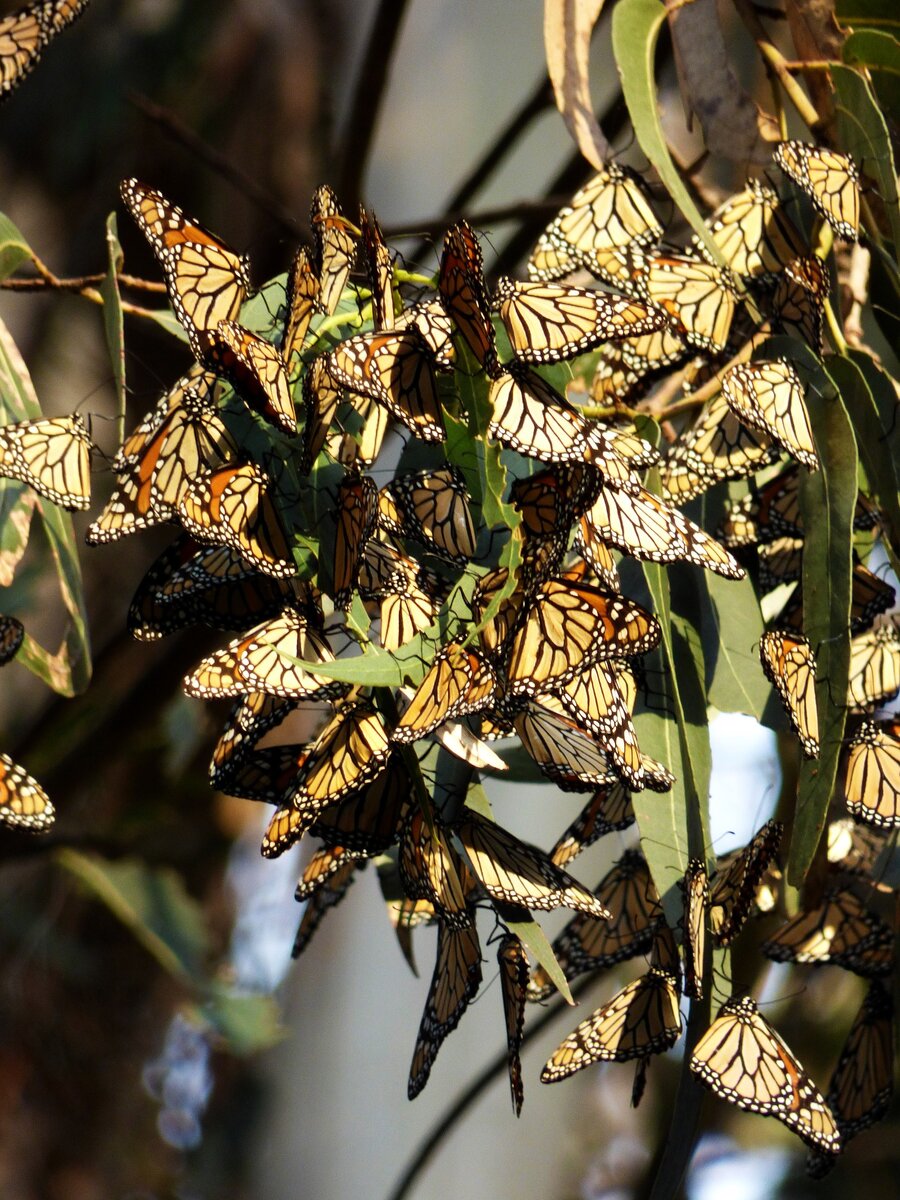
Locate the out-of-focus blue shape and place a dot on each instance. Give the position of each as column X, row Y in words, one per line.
column 745, row 782
column 266, row 913
column 181, row 1080
column 720, row 1168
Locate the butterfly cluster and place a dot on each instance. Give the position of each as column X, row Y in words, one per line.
column 475, row 597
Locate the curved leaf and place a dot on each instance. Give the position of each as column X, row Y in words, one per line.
column 635, row 31
column 827, row 502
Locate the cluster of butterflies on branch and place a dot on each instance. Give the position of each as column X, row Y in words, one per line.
column 477, row 594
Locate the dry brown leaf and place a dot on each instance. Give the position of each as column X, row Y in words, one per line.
column 733, row 125
column 568, row 25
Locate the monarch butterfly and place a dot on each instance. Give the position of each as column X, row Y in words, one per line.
column 699, row 298
column 642, row 525
column 513, row 983
column 829, row 178
column 335, row 241
column 734, row 885
column 627, row 891
column 370, row 819
column 874, row 673
column 608, row 809
column 755, row 235
column 744, row 1061
column 459, row 682
column 395, row 369
column 351, row 751
column 597, row 558
column 324, row 864
column 872, row 786
column 436, row 328
column 513, row 872
column 268, row 659
column 430, row 506
column 463, row 294
column 790, row 667
column 503, row 596
column 780, row 561
column 379, row 270
column 628, row 367
column 532, row 417
column 595, row 699
column 25, row 33
column 769, row 396
column 798, row 301
column 330, row 894
column 267, row 775
column 431, row 869
column 568, row 628
column 612, row 210
column 258, row 372
column 403, row 616
column 456, row 979
column 860, row 1089
column 840, row 931
column 869, row 596
column 640, row 1020
column 182, row 437
column 287, row 825
column 546, row 323
column 717, row 446
column 231, row 506
column 207, row 585
column 12, row 632
column 548, row 502
column 853, row 847
column 321, row 397
column 23, row 802
column 193, row 395
column 300, row 301
column 569, row 756
column 207, row 282
column 695, row 896
column 251, row 716
column 357, row 510
column 52, row 455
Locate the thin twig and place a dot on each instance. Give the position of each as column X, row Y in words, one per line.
column 776, row 61
column 79, row 283
column 434, row 226
column 371, row 85
column 175, row 128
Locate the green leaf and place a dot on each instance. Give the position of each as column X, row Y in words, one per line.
column 675, row 826
column 881, row 54
column 248, row 1023
column 827, row 502
column 864, row 135
column 871, row 402
column 731, row 622
column 113, row 323
column 153, row 904
column 635, row 31
column 540, row 949
column 13, row 247
column 872, row 13
column 17, row 504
